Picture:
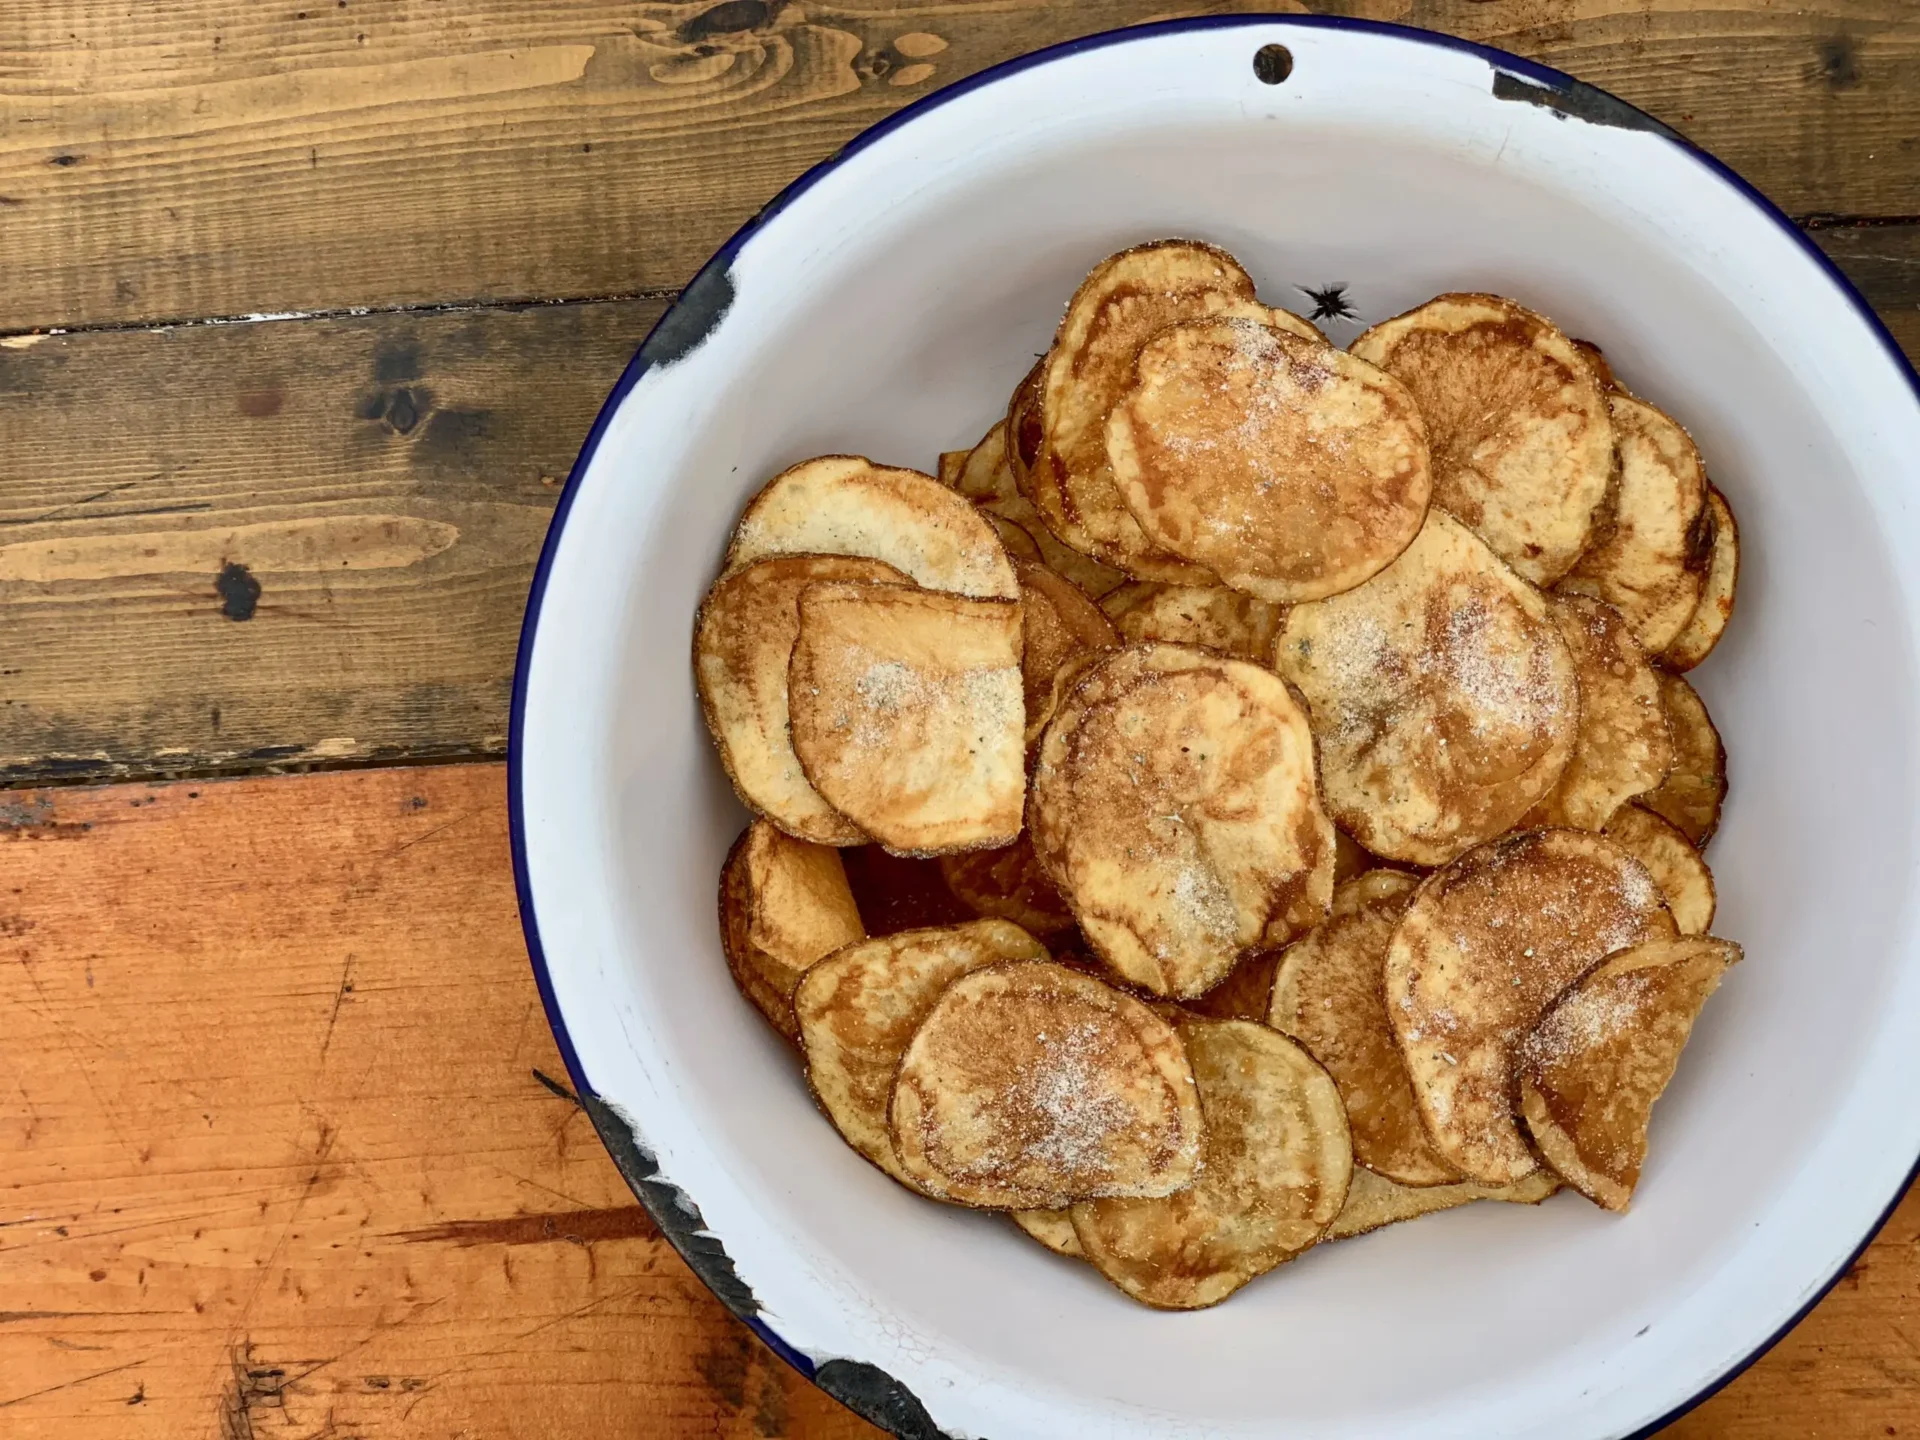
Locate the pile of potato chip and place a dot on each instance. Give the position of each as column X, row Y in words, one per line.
column 1251, row 797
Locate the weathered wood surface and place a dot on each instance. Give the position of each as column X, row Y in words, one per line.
column 234, row 545
column 277, row 1157
column 219, row 157
column 276, row 1153
column 384, row 480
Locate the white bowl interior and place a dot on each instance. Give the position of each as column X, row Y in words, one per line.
column 888, row 310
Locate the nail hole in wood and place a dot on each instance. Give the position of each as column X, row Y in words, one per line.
column 1272, row 64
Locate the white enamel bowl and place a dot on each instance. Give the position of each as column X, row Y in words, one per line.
column 885, row 305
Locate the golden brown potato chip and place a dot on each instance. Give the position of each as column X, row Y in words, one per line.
column 1595, row 357
column 1516, row 421
column 1443, row 697
column 906, row 713
column 1349, row 859
column 1721, row 537
column 1374, row 1201
column 1058, row 622
column 952, row 464
column 783, row 904
column 1653, row 546
column 1488, row 944
column 1597, row 1061
column 1622, row 749
column 1328, row 995
column 1029, row 1086
column 846, row 505
column 1276, row 1168
column 857, row 1009
column 1244, row 994
column 1696, row 787
column 1126, row 300
column 1053, row 1229
column 1675, row 865
column 986, row 476
column 1230, row 621
column 1289, row 469
column 1174, row 804
column 743, row 642
column 1010, row 884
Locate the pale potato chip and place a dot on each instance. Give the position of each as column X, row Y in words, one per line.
column 906, row 713
column 1517, row 424
column 1374, row 1201
column 1696, row 787
column 1289, row 469
column 1675, row 865
column 1053, row 1229
column 846, row 505
column 743, row 643
column 1488, row 944
column 1058, row 623
column 1594, row 1065
column 1328, row 995
column 858, row 1007
column 783, row 905
column 1029, row 1086
column 1653, row 546
column 1010, row 884
column 1174, row 804
column 1275, row 1174
column 1622, row 748
column 1597, row 359
column 1443, row 697
column 1721, row 536
column 1230, row 621
column 1124, row 302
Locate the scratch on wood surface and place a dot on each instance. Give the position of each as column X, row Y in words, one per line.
column 69, row 1384
column 579, row 1227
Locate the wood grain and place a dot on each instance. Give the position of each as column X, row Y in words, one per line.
column 277, row 1156
column 218, row 157
column 239, row 545
column 276, row 1153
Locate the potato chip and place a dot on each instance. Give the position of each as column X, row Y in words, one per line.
column 1174, row 804
column 1696, row 787
column 1596, row 358
column 1622, row 748
column 1289, row 469
column 1709, row 619
column 986, row 476
column 743, row 643
column 846, row 505
column 1374, row 1201
column 1230, row 621
column 1488, row 944
column 1058, row 623
column 1593, row 1067
column 1443, row 697
column 857, row 1009
column 1517, row 424
column 1276, row 1169
column 1126, row 300
column 1029, row 1086
column 1654, row 545
column 1328, row 994
column 1675, row 865
column 1010, row 884
column 783, row 905
column 906, row 713
column 1053, row 1229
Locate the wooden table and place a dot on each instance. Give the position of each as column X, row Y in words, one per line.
column 304, row 309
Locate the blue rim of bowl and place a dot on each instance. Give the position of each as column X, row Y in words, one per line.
column 1559, row 84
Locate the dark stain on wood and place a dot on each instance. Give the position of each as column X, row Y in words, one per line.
column 396, row 361
column 575, row 1227
column 262, row 404
column 724, row 1366
column 239, row 591
column 1840, row 61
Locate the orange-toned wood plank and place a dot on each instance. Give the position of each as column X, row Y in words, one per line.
column 275, row 1153
column 274, row 1158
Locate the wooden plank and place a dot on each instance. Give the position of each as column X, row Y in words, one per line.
column 236, row 545
column 330, row 458
column 278, row 1154
column 279, row 1157
column 215, row 158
